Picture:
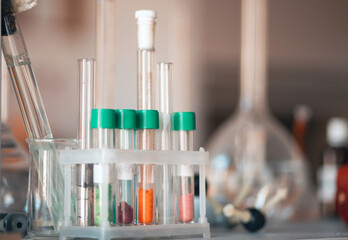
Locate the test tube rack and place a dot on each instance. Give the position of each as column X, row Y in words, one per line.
column 109, row 157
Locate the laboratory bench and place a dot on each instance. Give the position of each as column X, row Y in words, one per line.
column 323, row 229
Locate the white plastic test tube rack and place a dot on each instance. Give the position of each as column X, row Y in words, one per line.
column 108, row 158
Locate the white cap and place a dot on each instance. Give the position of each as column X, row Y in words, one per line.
column 146, row 28
column 337, row 132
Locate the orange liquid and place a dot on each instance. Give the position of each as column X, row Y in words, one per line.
column 145, row 211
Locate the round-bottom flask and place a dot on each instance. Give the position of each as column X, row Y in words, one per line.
column 254, row 161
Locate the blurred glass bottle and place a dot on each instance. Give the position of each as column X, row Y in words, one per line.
column 254, row 161
column 334, row 156
column 302, row 116
column 14, row 159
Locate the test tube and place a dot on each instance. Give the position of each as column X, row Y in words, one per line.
column 183, row 125
column 22, row 76
column 103, row 124
column 84, row 172
column 147, row 125
column 125, row 127
column 146, row 137
column 165, row 183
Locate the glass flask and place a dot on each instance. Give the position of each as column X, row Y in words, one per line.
column 254, row 161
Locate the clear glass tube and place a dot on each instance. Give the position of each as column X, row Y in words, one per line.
column 105, row 50
column 146, row 83
column 5, row 92
column 23, row 80
column 86, row 68
column 254, row 56
column 165, row 75
column 165, row 181
column 146, row 140
column 125, row 179
column 103, row 138
column 183, row 141
column 84, row 175
column 146, row 22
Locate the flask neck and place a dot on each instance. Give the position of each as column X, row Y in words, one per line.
column 253, row 55
column 253, row 95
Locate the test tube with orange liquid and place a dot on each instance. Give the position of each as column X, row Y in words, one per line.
column 147, row 125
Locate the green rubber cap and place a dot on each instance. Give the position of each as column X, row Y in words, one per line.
column 103, row 118
column 125, row 118
column 147, row 119
column 183, row 121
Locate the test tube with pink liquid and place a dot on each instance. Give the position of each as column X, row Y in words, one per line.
column 183, row 125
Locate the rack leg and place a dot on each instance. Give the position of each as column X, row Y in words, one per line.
column 206, row 234
column 202, row 195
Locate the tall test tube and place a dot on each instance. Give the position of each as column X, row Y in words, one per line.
column 165, row 183
column 183, row 125
column 84, row 172
column 125, row 127
column 146, row 134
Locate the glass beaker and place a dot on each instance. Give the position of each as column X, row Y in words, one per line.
column 44, row 156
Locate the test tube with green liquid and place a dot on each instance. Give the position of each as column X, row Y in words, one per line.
column 103, row 124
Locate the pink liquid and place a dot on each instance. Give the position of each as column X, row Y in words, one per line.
column 186, row 208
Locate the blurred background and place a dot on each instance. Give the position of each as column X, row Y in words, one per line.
column 307, row 58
